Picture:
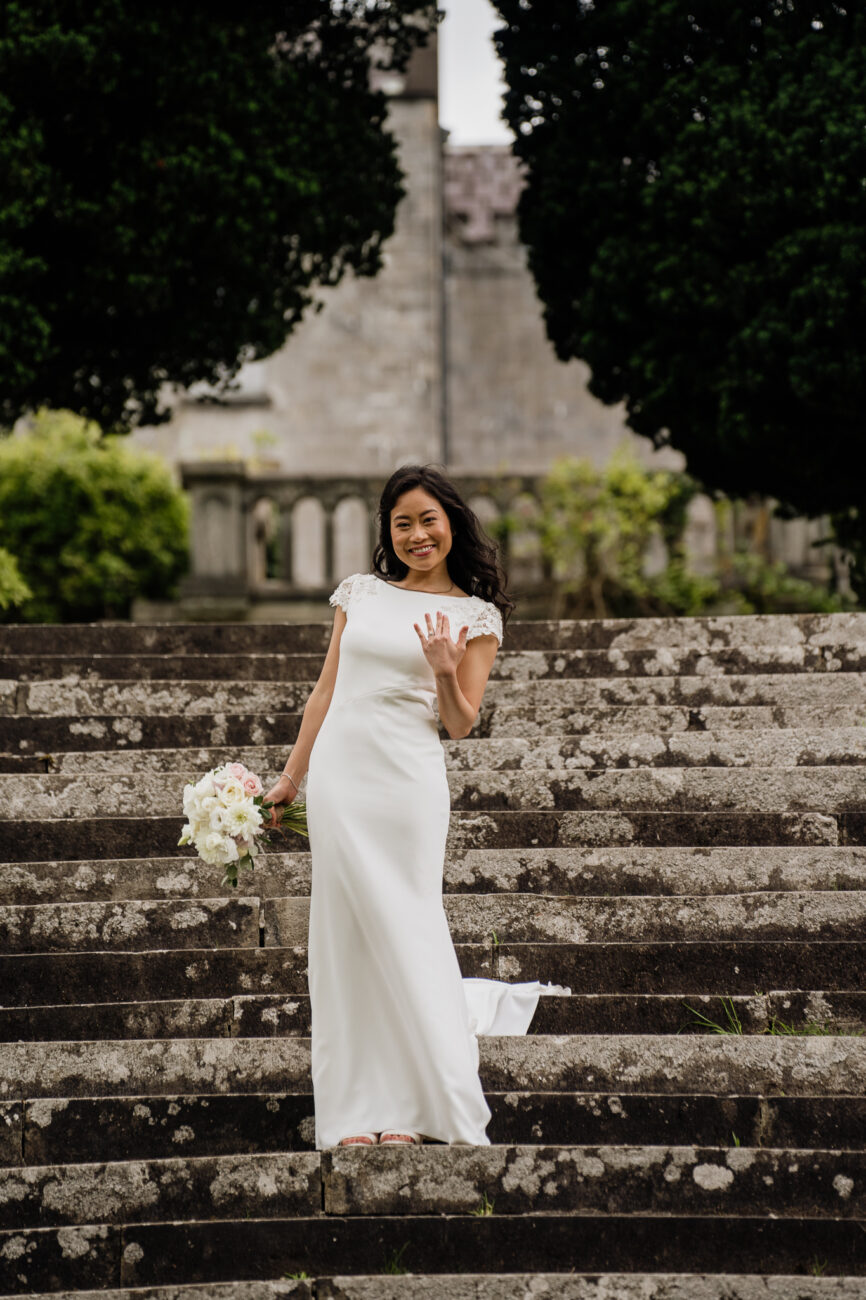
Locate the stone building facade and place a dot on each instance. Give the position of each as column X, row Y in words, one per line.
column 441, row 357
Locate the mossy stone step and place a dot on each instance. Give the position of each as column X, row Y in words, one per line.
column 712, row 967
column 288, row 1015
column 510, row 665
column 145, row 1255
column 76, row 838
column 645, row 870
column 750, row 1064
column 823, row 747
column 66, row 1130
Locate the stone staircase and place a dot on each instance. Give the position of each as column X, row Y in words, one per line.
column 668, row 816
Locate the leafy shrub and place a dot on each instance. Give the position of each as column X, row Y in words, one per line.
column 91, row 521
column 13, row 589
column 595, row 527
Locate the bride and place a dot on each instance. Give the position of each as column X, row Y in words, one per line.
column 394, row 1052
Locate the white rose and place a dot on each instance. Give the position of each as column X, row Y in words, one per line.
column 211, row 848
column 205, row 786
column 232, row 792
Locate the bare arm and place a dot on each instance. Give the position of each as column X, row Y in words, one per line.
column 315, row 709
column 461, row 670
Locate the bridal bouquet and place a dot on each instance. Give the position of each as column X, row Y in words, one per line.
column 224, row 818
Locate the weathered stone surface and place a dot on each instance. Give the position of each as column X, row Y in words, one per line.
column 125, row 837
column 218, row 1187
column 186, row 1018
column 533, row 918
column 256, row 1290
column 631, row 719
column 198, row 923
column 11, row 1133
column 548, row 1118
column 587, row 1180
column 666, row 1064
column 844, row 746
column 829, row 690
column 68, row 978
column 605, row 1286
column 64, row 1130
column 636, row 1063
column 826, row 630
column 505, row 1243
column 47, row 1259
column 828, row 790
column 279, row 1016
column 95, row 880
column 43, row 735
column 613, row 871
column 510, row 665
column 847, row 690
column 264, row 1016
column 654, row 871
column 734, row 966
column 58, row 1131
column 728, row 905
column 743, row 748
column 668, row 789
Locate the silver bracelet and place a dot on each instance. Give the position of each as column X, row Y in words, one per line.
column 292, row 779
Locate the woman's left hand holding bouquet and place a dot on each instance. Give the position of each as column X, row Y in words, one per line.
column 280, row 795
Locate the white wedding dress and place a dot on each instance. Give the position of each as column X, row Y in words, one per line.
column 394, row 1024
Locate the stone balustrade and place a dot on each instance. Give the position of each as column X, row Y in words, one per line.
column 262, row 535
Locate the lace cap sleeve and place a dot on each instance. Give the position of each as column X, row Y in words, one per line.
column 342, row 594
column 487, row 620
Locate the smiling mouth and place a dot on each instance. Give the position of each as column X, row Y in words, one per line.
column 421, row 550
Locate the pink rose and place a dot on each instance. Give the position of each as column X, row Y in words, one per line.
column 252, row 784
column 237, row 770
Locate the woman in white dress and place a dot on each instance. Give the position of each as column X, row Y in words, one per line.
column 394, row 1051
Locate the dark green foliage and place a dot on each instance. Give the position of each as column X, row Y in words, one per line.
column 695, row 215
column 90, row 522
column 175, row 181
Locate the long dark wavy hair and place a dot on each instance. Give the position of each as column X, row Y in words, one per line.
column 473, row 561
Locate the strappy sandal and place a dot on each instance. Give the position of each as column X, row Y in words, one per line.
column 359, row 1140
column 396, row 1137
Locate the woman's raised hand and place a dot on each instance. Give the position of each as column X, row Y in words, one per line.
column 442, row 653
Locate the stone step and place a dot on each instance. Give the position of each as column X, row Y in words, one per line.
column 698, row 789
column 534, row 918
column 510, row 665
column 709, row 632
column 235, row 922
column 845, row 747
column 282, row 1015
column 441, row 1179
column 60, row 698
column 499, row 1286
column 581, row 871
column 755, row 1065
column 586, row 1180
column 131, row 925
column 75, row 838
column 148, row 1254
column 714, row 967
column 69, row 1129
column 39, row 736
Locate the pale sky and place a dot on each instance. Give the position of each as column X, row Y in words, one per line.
column 470, row 82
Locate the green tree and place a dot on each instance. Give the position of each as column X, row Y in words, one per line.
column 91, row 522
column 695, row 215
column 176, row 181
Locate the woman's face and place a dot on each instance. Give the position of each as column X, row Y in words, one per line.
column 420, row 530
